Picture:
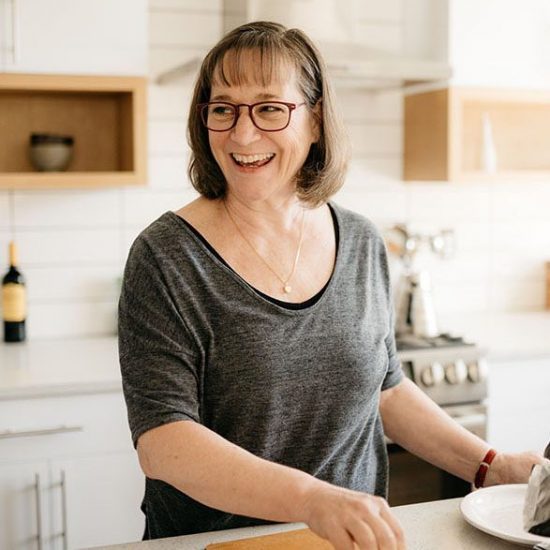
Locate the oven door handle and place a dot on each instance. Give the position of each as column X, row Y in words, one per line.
column 470, row 420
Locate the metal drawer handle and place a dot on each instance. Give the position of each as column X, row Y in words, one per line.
column 6, row 434
column 37, row 491
column 64, row 508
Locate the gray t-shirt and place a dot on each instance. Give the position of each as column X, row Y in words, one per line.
column 299, row 387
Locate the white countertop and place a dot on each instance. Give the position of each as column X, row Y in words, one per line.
column 90, row 365
column 429, row 526
column 58, row 367
column 507, row 336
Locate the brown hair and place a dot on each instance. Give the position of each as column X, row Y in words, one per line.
column 324, row 169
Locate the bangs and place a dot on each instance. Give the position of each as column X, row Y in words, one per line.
column 245, row 66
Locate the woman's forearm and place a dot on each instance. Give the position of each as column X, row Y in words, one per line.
column 222, row 475
column 413, row 421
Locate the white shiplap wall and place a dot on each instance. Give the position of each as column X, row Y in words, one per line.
column 74, row 243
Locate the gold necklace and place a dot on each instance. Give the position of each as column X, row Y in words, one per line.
column 287, row 289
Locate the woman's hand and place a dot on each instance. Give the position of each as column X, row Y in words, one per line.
column 511, row 468
column 346, row 517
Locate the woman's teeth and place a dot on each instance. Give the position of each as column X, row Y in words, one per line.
column 252, row 160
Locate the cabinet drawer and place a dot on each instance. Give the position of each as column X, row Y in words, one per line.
column 57, row 426
column 519, row 385
column 519, row 431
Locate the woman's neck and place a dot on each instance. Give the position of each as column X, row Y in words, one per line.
column 282, row 215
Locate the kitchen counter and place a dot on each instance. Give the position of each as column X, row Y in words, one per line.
column 59, row 367
column 90, row 365
column 428, row 526
column 506, row 336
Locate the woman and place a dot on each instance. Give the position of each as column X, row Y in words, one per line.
column 256, row 332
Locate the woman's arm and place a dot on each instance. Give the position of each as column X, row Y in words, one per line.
column 221, row 475
column 416, row 423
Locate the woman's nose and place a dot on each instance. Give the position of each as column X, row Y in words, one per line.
column 244, row 131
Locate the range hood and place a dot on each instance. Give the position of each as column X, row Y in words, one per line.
column 354, row 65
column 333, row 28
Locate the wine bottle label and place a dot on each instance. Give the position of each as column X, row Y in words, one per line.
column 14, row 306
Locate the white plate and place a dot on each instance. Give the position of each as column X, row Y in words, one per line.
column 498, row 510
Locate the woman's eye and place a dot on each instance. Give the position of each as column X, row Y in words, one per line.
column 221, row 110
column 271, row 108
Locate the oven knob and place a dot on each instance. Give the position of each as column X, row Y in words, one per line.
column 477, row 370
column 457, row 372
column 432, row 375
column 438, row 373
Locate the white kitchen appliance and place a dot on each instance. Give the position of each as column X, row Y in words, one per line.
column 454, row 374
column 415, row 310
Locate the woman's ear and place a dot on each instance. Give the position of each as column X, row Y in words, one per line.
column 317, row 121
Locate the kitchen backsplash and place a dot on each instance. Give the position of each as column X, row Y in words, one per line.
column 73, row 244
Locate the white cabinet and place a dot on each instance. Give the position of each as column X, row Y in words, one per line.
column 493, row 43
column 23, row 517
column 74, row 36
column 102, row 496
column 519, row 408
column 69, row 475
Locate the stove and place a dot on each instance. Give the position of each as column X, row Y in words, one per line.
column 449, row 369
column 453, row 372
column 443, row 340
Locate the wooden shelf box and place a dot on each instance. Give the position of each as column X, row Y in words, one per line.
column 105, row 115
column 444, row 134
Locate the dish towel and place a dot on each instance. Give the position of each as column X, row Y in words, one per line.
column 536, row 511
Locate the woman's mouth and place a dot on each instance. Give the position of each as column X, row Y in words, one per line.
column 252, row 161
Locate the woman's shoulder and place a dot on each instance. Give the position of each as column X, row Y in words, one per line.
column 165, row 227
column 159, row 233
column 355, row 224
column 169, row 235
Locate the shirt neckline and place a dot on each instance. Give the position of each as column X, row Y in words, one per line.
column 266, row 299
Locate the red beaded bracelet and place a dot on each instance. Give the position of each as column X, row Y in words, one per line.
column 484, row 468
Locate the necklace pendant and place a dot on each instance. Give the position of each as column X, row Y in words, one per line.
column 287, row 289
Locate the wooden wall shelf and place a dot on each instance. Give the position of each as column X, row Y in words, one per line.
column 444, row 135
column 105, row 115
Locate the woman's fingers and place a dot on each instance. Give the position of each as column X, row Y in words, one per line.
column 395, row 526
column 363, row 536
column 342, row 540
column 354, row 521
column 376, row 532
column 372, row 526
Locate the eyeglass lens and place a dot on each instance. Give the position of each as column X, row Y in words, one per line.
column 266, row 116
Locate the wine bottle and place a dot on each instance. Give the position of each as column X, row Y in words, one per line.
column 14, row 300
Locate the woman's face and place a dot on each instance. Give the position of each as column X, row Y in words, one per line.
column 283, row 152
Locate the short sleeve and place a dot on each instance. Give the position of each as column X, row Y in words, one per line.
column 394, row 374
column 158, row 359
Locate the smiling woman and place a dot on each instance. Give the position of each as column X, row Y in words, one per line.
column 256, row 323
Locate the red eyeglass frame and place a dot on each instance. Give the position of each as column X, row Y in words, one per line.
column 237, row 106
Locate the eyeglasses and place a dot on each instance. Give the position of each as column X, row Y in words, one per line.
column 269, row 116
